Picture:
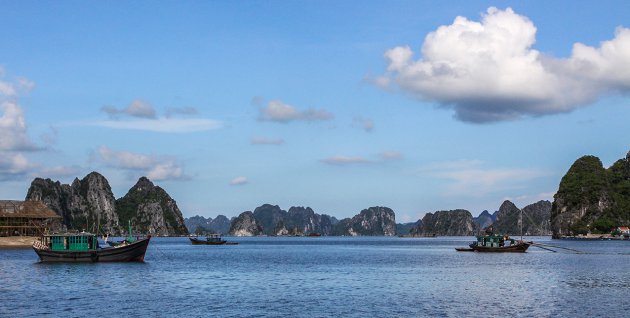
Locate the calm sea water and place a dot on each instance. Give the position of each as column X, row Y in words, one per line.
column 324, row 277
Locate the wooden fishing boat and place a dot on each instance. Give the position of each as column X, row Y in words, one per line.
column 212, row 239
column 492, row 243
column 84, row 247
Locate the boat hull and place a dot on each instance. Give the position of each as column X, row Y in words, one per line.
column 195, row 241
column 133, row 252
column 520, row 247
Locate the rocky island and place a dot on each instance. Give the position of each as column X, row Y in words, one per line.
column 90, row 200
column 591, row 198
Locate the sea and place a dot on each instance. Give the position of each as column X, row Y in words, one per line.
column 325, row 277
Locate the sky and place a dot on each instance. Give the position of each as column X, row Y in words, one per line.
column 419, row 106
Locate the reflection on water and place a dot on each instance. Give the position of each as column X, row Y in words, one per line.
column 323, row 277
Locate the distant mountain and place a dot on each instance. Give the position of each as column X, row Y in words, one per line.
column 220, row 224
column 405, row 228
column 90, row 201
column 591, row 198
column 197, row 222
column 272, row 220
column 151, row 210
column 301, row 220
column 82, row 205
column 535, row 218
column 508, row 217
column 374, row 221
column 485, row 219
column 245, row 225
column 268, row 216
column 446, row 223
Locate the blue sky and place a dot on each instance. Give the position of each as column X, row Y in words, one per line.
column 337, row 105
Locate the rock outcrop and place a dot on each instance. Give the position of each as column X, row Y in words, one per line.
column 245, row 225
column 83, row 205
column 485, row 219
column 591, row 198
column 374, row 221
column 88, row 202
column 301, row 220
column 404, row 229
column 537, row 218
column 220, row 224
column 200, row 225
column 151, row 210
column 508, row 218
column 268, row 216
column 446, row 223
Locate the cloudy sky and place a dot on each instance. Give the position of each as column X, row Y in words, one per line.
column 337, row 105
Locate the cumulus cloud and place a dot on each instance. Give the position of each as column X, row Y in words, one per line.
column 153, row 167
column 488, row 71
column 471, row 177
column 137, row 108
column 266, row 141
column 363, row 123
column 277, row 111
column 345, row 160
column 14, row 139
column 13, row 165
column 7, row 89
column 239, row 181
column 13, row 128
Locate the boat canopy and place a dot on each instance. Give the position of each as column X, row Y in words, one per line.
column 71, row 242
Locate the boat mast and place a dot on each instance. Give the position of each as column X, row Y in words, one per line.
column 521, row 221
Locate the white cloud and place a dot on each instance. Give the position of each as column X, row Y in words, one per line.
column 471, row 178
column 266, row 141
column 278, row 111
column 390, row 155
column 153, row 167
column 345, row 160
column 164, row 125
column 7, row 89
column 60, row 171
column 239, row 181
column 363, row 123
column 25, row 85
column 13, row 165
column 137, row 108
column 487, row 71
column 165, row 171
column 14, row 139
column 13, row 128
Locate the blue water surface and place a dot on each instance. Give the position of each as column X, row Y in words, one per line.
column 325, row 277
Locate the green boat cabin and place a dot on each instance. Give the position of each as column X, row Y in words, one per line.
column 493, row 240
column 71, row 242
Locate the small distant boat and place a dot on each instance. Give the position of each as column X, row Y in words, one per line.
column 212, row 239
column 84, row 247
column 493, row 243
